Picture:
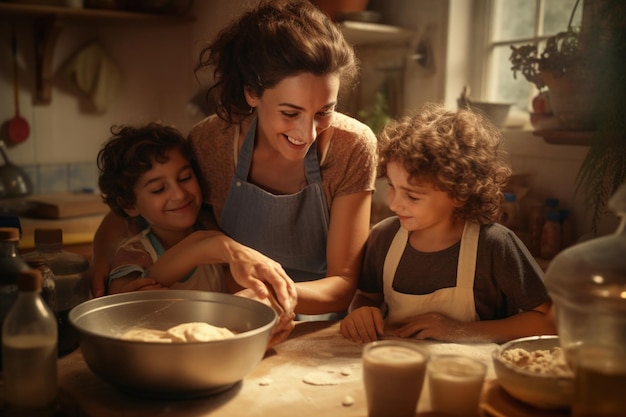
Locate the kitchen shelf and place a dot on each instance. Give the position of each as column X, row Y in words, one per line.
column 565, row 137
column 48, row 23
column 366, row 33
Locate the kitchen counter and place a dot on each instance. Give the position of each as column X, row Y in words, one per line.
column 275, row 387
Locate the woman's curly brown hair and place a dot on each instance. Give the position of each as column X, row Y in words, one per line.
column 129, row 153
column 459, row 152
column 274, row 40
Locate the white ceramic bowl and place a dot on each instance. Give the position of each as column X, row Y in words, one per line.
column 496, row 112
column 539, row 390
column 176, row 370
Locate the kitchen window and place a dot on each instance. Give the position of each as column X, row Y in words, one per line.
column 515, row 22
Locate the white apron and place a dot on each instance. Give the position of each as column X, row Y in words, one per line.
column 456, row 302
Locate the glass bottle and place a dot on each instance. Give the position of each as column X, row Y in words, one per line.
column 29, row 351
column 551, row 235
column 10, row 266
column 70, row 274
column 536, row 220
column 49, row 296
column 567, row 229
column 48, row 283
column 509, row 209
column 587, row 282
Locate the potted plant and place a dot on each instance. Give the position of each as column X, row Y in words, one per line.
column 604, row 168
column 588, row 63
column 563, row 68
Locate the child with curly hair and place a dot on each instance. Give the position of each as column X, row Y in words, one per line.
column 442, row 268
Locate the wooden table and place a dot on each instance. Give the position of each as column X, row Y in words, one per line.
column 276, row 388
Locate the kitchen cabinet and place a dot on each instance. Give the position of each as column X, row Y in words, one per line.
column 48, row 22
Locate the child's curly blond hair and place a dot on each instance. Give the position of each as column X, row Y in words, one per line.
column 459, row 152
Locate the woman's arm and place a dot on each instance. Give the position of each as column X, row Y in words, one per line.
column 348, row 231
column 111, row 231
column 249, row 268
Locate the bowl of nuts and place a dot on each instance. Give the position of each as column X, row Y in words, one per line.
column 535, row 370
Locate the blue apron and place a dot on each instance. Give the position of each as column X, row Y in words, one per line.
column 291, row 229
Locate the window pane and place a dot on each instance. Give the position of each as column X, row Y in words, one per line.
column 505, row 87
column 557, row 15
column 515, row 19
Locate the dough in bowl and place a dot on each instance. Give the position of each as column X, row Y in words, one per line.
column 182, row 333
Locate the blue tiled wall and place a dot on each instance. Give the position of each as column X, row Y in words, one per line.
column 58, row 178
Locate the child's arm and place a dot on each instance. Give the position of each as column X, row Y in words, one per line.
column 365, row 321
column 112, row 229
column 249, row 268
column 132, row 282
column 437, row 326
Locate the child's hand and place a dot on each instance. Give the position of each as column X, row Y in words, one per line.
column 433, row 326
column 363, row 325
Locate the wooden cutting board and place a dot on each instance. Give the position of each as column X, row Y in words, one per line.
column 65, row 205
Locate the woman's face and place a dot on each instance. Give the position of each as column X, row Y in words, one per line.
column 293, row 113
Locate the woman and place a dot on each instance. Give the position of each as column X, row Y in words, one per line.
column 284, row 173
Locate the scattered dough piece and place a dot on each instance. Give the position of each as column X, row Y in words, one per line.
column 322, row 378
column 345, row 371
column 347, row 401
column 264, row 382
column 186, row 332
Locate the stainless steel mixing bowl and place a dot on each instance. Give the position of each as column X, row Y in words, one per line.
column 177, row 370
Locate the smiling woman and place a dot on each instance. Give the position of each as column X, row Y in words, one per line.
column 284, row 174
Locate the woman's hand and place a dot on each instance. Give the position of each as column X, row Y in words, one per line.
column 251, row 269
column 363, row 325
column 285, row 323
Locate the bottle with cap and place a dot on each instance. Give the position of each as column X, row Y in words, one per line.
column 48, row 284
column 69, row 271
column 29, row 351
column 536, row 220
column 551, row 235
column 509, row 209
column 11, row 264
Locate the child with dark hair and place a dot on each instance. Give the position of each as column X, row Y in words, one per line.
column 442, row 268
column 148, row 175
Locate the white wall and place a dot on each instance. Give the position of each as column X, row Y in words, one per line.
column 155, row 60
column 157, row 66
column 550, row 170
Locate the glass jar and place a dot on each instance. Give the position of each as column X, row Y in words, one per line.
column 587, row 283
column 70, row 274
column 29, row 350
column 11, row 264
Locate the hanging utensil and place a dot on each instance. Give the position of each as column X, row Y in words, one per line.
column 18, row 129
column 14, row 181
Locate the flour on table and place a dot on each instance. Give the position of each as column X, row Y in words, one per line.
column 182, row 333
column 328, row 376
